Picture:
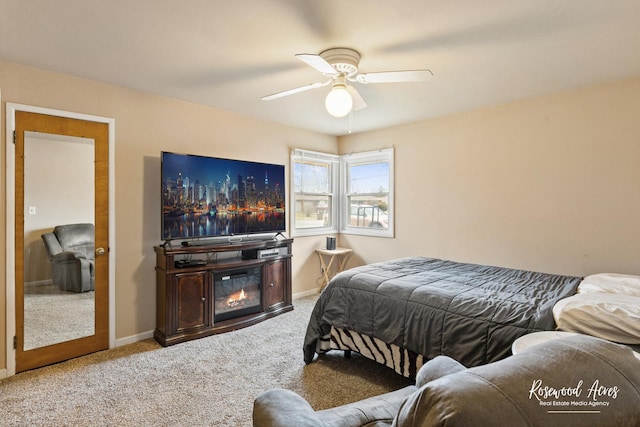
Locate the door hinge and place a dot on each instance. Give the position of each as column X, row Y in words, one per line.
column 14, row 136
column 15, row 342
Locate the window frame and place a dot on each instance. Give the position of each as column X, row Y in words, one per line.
column 385, row 155
column 332, row 161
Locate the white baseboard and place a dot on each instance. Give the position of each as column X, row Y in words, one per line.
column 3, row 374
column 134, row 338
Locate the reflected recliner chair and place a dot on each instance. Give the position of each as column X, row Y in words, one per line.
column 71, row 252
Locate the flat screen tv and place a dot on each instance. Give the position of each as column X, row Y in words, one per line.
column 206, row 197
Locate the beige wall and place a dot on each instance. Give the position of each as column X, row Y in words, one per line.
column 549, row 184
column 146, row 124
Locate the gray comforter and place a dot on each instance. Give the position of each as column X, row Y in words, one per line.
column 469, row 312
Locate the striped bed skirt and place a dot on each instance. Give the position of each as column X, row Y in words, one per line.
column 404, row 362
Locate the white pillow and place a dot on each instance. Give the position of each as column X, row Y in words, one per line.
column 611, row 283
column 613, row 317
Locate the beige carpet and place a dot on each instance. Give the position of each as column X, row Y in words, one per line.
column 52, row 316
column 206, row 382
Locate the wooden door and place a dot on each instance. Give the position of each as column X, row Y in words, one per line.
column 28, row 123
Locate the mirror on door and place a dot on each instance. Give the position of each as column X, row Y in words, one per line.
column 59, row 212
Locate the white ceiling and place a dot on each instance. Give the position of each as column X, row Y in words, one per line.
column 227, row 54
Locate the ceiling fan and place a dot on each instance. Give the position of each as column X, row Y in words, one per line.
column 340, row 65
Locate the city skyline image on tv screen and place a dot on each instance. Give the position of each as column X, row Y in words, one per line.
column 209, row 197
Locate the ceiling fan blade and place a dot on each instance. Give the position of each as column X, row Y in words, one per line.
column 317, row 62
column 395, row 76
column 358, row 101
column 292, row 91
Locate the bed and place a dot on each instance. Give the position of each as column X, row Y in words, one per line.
column 404, row 312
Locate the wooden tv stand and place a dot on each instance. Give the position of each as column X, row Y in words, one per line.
column 185, row 291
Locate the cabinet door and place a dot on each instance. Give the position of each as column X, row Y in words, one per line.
column 274, row 282
column 192, row 296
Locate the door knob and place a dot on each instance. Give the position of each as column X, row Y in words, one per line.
column 99, row 251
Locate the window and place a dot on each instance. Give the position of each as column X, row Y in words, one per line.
column 367, row 193
column 314, row 195
column 361, row 204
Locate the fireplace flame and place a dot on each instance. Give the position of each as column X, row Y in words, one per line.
column 237, row 298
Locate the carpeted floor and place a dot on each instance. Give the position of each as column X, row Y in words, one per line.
column 52, row 316
column 206, row 382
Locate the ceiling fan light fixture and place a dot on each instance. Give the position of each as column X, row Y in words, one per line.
column 338, row 102
column 340, row 65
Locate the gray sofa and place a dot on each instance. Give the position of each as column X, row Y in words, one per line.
column 576, row 381
column 71, row 251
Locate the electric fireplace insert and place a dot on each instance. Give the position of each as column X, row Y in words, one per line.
column 237, row 293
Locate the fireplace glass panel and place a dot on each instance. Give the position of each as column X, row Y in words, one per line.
column 237, row 293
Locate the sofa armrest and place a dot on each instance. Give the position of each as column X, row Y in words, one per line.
column 279, row 407
column 437, row 367
column 68, row 256
column 378, row 410
column 51, row 244
column 283, row 408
